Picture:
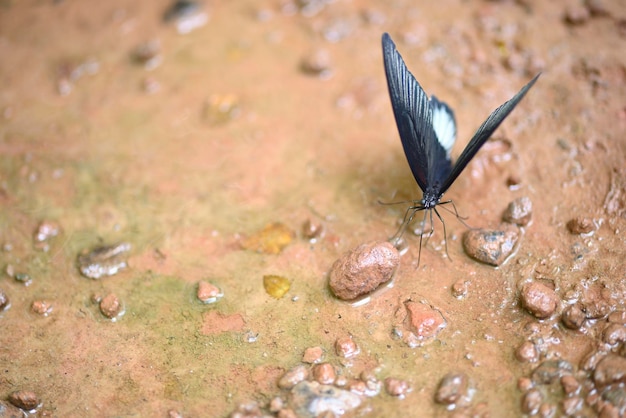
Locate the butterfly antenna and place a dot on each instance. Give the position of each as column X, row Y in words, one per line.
column 445, row 233
column 380, row 202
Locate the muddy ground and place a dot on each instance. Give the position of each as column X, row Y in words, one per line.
column 116, row 128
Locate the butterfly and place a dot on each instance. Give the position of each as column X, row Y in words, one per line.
column 427, row 130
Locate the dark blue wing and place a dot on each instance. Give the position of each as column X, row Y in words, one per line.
column 484, row 132
column 428, row 159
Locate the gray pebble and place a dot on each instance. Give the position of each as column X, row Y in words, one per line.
column 491, row 246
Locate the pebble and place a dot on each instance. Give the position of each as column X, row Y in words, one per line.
column 324, row 373
column 596, row 301
column 452, row 388
column 5, row 303
column 249, row 409
column 45, row 231
column 313, row 355
column 219, row 109
column 491, row 246
column 397, row 387
column 187, row 15
column 527, row 352
column 346, row 347
column 573, row 317
column 10, row 411
column 104, row 261
column 423, row 320
column 519, row 211
column 539, row 299
column 317, row 63
column 572, row 405
column 272, row 239
column 531, row 401
column 570, row 384
column 524, row 384
column 42, row 307
column 580, row 225
column 148, row 54
column 610, row 370
column 276, row 286
column 459, row 289
column 614, row 334
column 550, row 370
column 294, row 376
column 24, row 399
column 577, row 14
column 311, row 399
column 208, row 292
column 110, row 306
column 312, row 231
column 363, row 269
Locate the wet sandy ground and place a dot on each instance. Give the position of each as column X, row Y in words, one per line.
column 278, row 112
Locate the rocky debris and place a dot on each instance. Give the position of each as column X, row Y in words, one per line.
column 186, row 15
column 324, row 373
column 610, row 370
column 42, row 307
column 539, row 299
column 276, row 286
column 423, row 320
column 310, row 399
column 527, row 352
column 491, row 246
column 519, row 211
column 363, row 269
column 573, row 317
column 531, row 401
column 551, row 370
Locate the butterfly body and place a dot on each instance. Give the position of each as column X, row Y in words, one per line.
column 427, row 129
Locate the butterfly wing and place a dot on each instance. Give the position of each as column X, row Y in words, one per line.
column 427, row 157
column 484, row 132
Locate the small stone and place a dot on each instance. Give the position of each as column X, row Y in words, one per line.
column 357, row 386
column 24, row 399
column 570, row 384
column 272, row 239
column 580, row 225
column 527, row 352
column 148, row 54
column 596, row 301
column 317, row 63
column 10, row 411
column 313, row 355
column 550, row 370
column 346, row 347
column 609, row 411
column 208, row 292
column 524, row 384
column 611, row 369
column 363, row 269
column 186, row 15
column 172, row 413
column 519, row 211
column 617, row 317
column 103, row 261
column 459, row 289
column 577, row 14
column 452, row 388
column 110, row 306
column 286, row 413
column 397, row 387
column 547, row 410
column 42, row 307
column 531, row 401
column 276, row 286
column 276, row 404
column 572, row 405
column 573, row 317
column 292, row 377
column 249, row 409
column 5, row 303
column 491, row 246
column 45, row 231
column 539, row 299
column 614, row 334
column 324, row 373
column 423, row 320
column 312, row 231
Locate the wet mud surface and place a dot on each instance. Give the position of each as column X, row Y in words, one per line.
column 177, row 181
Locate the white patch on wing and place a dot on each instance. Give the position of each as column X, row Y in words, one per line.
column 443, row 124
